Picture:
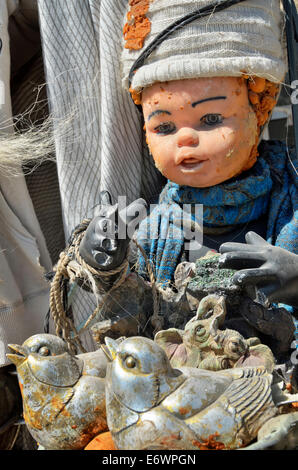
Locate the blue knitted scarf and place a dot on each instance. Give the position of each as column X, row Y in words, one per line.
column 270, row 187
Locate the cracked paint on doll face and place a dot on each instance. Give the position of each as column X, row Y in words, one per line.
column 199, row 131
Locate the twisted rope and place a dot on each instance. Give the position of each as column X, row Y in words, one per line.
column 62, row 323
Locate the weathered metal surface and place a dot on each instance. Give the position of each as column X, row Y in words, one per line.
column 204, row 345
column 63, row 395
column 150, row 405
column 142, row 399
column 279, row 433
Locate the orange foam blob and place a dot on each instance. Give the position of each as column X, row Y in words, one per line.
column 103, row 441
column 262, row 95
column 138, row 26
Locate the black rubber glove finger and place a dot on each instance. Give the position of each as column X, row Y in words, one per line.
column 253, row 238
column 241, row 260
column 237, row 247
column 259, row 276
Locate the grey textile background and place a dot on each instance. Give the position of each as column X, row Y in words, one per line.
column 101, row 146
column 24, row 256
column 27, row 88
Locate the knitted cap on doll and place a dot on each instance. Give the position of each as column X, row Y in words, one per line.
column 245, row 38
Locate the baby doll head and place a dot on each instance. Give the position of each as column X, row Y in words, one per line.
column 201, row 131
column 204, row 131
column 208, row 89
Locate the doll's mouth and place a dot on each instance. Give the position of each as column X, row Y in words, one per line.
column 191, row 164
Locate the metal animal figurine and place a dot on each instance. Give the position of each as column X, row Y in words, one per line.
column 150, row 405
column 202, row 344
column 279, row 433
column 63, row 395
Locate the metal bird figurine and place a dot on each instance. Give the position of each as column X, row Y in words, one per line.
column 63, row 395
column 152, row 406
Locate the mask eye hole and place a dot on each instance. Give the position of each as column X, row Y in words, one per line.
column 44, row 351
column 130, row 362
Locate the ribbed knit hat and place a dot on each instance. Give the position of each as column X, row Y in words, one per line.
column 246, row 38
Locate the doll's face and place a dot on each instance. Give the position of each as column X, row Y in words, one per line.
column 199, row 131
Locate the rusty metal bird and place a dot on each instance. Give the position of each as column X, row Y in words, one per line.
column 151, row 405
column 63, row 395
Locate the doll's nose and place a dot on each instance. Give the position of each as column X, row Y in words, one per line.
column 187, row 138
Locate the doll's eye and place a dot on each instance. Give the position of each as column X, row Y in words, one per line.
column 165, row 128
column 212, row 119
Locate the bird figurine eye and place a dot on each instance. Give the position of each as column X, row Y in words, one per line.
column 130, row 362
column 44, row 351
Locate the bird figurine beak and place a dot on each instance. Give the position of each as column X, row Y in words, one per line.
column 19, row 354
column 110, row 348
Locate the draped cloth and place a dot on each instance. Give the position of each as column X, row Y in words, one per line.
column 270, row 187
column 24, row 257
column 98, row 142
column 102, row 147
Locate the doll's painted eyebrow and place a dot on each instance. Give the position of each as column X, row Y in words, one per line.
column 158, row 111
column 209, row 99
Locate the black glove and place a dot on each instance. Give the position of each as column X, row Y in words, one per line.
column 271, row 268
column 101, row 246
